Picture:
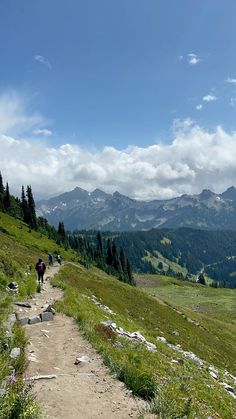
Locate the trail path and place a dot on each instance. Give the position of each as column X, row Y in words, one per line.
column 85, row 391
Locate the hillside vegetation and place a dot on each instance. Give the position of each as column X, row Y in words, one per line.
column 175, row 385
column 184, row 251
column 20, row 248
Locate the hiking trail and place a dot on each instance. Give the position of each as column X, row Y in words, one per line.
column 86, row 390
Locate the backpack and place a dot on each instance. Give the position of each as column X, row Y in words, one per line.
column 40, row 267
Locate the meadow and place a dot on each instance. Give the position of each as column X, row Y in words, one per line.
column 198, row 319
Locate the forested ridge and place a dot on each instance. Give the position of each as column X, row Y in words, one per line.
column 196, row 250
column 106, row 255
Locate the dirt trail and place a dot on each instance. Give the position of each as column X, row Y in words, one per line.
column 85, row 391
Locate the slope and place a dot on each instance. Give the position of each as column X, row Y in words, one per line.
column 176, row 374
column 177, row 381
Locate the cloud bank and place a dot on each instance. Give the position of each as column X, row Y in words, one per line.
column 193, row 160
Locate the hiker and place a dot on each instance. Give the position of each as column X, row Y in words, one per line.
column 40, row 268
column 50, row 259
column 86, row 264
column 59, row 258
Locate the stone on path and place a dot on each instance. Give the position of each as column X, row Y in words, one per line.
column 15, row 352
column 34, row 319
column 46, row 316
column 23, row 321
column 22, row 304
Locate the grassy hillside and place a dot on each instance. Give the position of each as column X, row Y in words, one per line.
column 19, row 251
column 184, row 250
column 177, row 386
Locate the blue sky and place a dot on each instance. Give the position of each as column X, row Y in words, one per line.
column 97, row 74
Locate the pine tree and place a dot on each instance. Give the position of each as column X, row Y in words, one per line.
column 201, row 279
column 24, row 206
column 2, row 191
column 99, row 244
column 115, row 259
column 61, row 230
column 123, row 261
column 109, row 253
column 129, row 273
column 7, row 200
column 31, row 208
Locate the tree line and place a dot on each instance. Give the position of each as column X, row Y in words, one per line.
column 104, row 254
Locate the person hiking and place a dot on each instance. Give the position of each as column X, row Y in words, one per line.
column 40, row 268
column 50, row 259
column 59, row 258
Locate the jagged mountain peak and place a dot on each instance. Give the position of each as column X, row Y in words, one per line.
column 230, row 193
column 80, row 209
column 98, row 193
column 206, row 194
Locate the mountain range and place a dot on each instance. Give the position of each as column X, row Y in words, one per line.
column 80, row 209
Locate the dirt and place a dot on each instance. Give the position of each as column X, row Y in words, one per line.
column 86, row 390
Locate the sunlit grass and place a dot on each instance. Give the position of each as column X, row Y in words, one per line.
column 152, row 375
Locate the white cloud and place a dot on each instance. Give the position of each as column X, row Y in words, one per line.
column 43, row 61
column 42, row 131
column 232, row 81
column 15, row 117
column 193, row 59
column 233, row 101
column 195, row 159
column 199, row 107
column 209, row 98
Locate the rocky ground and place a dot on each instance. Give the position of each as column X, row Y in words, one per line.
column 79, row 389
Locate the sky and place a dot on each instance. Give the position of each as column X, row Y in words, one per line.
column 135, row 96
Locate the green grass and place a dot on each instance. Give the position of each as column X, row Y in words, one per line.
column 177, row 389
column 19, row 251
column 158, row 257
column 215, row 303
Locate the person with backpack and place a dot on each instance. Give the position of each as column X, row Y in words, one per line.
column 40, row 268
column 59, row 259
column 50, row 259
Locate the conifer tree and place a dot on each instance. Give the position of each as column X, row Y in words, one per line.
column 24, row 206
column 123, row 261
column 201, row 279
column 131, row 280
column 31, row 208
column 61, row 230
column 99, row 244
column 7, row 199
column 109, row 253
column 2, row 191
column 115, row 259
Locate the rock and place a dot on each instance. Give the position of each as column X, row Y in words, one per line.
column 5, row 347
column 9, row 323
column 83, row 359
column 13, row 285
column 42, row 377
column 34, row 319
column 176, row 333
column 49, row 309
column 46, row 316
column 22, row 304
column 15, row 352
column 12, row 288
column 23, row 321
column 162, row 339
column 3, row 389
